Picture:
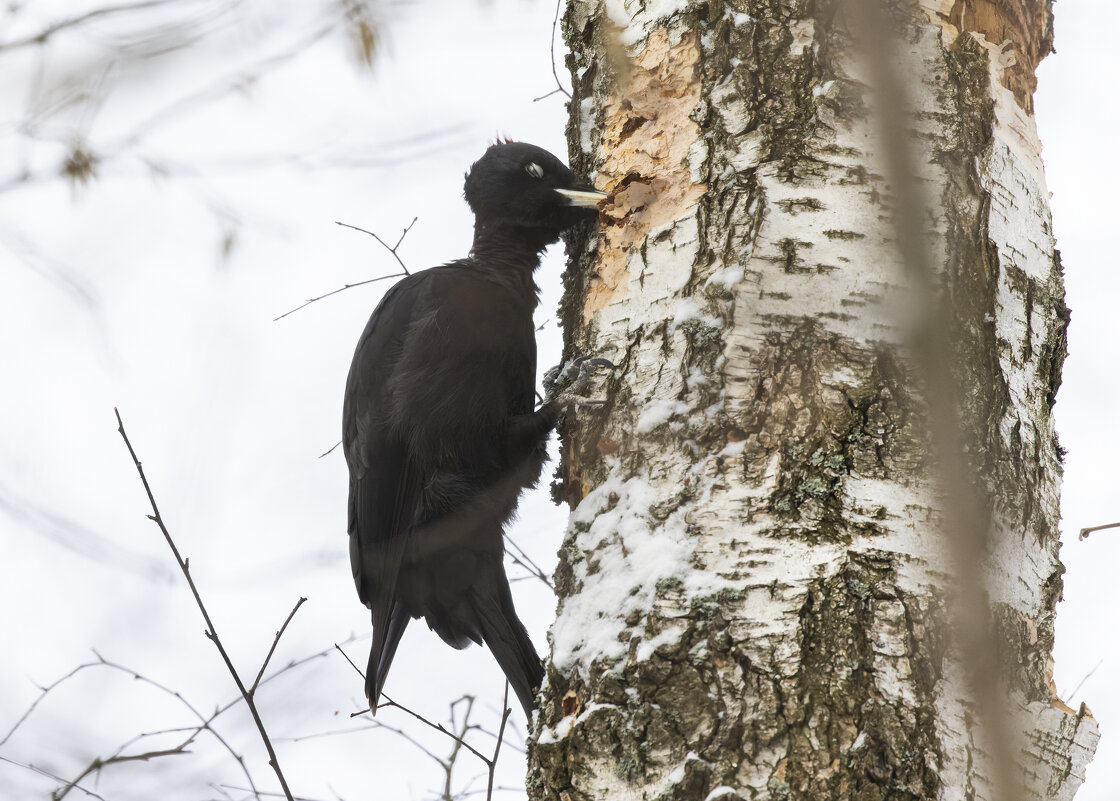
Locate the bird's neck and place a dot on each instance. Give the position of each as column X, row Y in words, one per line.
column 510, row 247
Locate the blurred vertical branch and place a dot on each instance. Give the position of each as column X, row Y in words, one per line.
column 966, row 522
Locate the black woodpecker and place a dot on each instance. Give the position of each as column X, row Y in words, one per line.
column 439, row 427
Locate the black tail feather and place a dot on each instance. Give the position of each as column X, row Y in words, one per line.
column 508, row 640
column 382, row 652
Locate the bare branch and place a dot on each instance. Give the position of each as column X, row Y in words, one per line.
column 499, row 789
column 1085, row 532
column 552, row 60
column 211, row 632
column 97, row 764
column 498, row 745
column 390, row 702
column 73, row 22
column 309, row 301
column 205, row 723
column 52, row 776
column 449, row 764
column 550, row 94
column 232, row 82
column 221, row 790
column 521, row 558
column 43, row 694
column 223, row 787
column 392, row 250
column 275, row 640
column 351, row 661
column 1081, row 683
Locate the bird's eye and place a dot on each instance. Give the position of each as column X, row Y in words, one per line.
column 534, row 169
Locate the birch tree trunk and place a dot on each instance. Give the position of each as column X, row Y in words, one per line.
column 755, row 582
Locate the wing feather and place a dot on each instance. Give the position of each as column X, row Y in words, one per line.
column 385, row 483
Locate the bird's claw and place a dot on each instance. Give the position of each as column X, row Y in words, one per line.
column 566, row 384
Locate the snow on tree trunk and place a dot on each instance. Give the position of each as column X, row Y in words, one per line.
column 754, row 580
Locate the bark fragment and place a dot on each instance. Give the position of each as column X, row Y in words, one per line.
column 647, row 131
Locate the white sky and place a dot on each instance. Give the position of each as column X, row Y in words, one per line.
column 117, row 295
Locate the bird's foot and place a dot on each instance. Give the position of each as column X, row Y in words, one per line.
column 566, row 385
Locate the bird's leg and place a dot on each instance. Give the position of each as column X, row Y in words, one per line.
column 527, row 432
column 566, row 385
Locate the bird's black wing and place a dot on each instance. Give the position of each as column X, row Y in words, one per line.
column 385, row 484
column 441, row 368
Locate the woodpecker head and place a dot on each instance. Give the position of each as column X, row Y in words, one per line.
column 519, row 185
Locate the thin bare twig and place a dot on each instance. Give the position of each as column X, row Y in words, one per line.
column 392, row 249
column 223, row 787
column 205, row 723
column 385, row 245
column 346, row 656
column 275, row 641
column 52, row 776
column 498, row 745
column 1085, row 532
column 552, row 59
column 290, row 666
column 219, row 789
column 389, row 702
column 97, row 764
column 102, row 662
column 469, row 793
column 521, row 558
column 43, row 694
column 550, row 94
column 211, row 631
column 309, row 301
column 1081, row 683
column 42, row 36
column 448, row 764
column 458, row 737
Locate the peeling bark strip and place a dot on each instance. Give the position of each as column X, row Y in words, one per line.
column 753, row 580
column 646, row 133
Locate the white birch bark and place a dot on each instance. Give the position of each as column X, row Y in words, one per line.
column 753, row 578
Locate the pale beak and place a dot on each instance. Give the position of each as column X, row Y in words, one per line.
column 588, row 199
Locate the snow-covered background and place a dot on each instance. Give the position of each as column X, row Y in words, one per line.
column 154, row 288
